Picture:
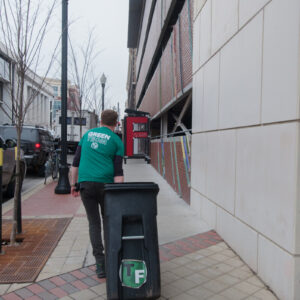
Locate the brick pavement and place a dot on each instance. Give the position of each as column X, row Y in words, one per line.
column 195, row 262
column 197, row 267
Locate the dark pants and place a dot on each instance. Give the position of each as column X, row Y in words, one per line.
column 92, row 195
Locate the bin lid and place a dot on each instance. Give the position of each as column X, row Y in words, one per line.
column 131, row 186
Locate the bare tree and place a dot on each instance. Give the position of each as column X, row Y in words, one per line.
column 24, row 25
column 82, row 69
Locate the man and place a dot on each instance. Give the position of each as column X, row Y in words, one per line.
column 98, row 160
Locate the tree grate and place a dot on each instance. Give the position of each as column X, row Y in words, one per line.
column 23, row 263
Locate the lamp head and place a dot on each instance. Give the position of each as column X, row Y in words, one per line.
column 103, row 79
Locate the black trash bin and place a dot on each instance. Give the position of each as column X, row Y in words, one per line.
column 131, row 242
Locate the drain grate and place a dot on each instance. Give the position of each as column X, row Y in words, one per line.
column 24, row 262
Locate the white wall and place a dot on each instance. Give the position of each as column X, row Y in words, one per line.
column 39, row 110
column 245, row 145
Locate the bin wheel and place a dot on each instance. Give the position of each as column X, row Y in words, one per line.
column 125, row 161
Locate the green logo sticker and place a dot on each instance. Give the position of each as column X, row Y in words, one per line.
column 133, row 273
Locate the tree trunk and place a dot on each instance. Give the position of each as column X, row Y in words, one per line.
column 17, row 200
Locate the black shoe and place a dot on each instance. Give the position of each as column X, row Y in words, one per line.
column 100, row 270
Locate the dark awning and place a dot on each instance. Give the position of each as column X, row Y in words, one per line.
column 134, row 22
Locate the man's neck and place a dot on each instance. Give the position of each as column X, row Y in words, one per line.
column 112, row 128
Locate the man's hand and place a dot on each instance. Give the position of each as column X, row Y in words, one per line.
column 74, row 192
column 118, row 179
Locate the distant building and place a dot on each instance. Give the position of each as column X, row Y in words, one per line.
column 73, row 101
column 38, row 112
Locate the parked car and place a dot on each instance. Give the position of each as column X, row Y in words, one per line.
column 9, row 167
column 36, row 142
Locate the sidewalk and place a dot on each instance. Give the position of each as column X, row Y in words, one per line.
column 195, row 262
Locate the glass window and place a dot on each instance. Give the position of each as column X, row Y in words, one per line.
column 55, row 90
column 77, row 121
column 69, row 120
column 140, row 127
column 1, row 91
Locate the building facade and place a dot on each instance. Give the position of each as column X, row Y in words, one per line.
column 40, row 95
column 37, row 94
column 245, row 141
column 160, row 32
column 243, row 124
column 73, row 99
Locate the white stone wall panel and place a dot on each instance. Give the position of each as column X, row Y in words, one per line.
column 198, row 165
column 266, row 181
column 276, row 267
column 205, row 32
column 240, row 77
column 220, row 168
column 211, row 94
column 280, row 94
column 197, row 114
column 239, row 236
column 247, row 9
column 224, row 21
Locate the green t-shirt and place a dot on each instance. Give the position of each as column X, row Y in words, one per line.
column 99, row 146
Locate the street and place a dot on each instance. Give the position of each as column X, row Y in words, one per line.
column 32, row 180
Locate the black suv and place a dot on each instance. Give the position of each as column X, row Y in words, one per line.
column 36, row 142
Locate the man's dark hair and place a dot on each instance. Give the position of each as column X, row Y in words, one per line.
column 109, row 117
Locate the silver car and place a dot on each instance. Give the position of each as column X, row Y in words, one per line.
column 9, row 167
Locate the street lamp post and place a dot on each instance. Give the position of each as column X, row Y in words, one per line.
column 63, row 186
column 103, row 81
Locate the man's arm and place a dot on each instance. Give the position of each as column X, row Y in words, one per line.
column 118, row 169
column 74, row 171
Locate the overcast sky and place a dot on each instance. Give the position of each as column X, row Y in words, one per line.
column 110, row 20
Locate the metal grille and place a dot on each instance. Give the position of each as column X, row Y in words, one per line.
column 24, row 262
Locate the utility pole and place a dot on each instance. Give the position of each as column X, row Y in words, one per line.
column 63, row 186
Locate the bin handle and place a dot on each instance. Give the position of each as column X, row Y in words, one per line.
column 133, row 237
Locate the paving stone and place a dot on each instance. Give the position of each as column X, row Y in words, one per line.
column 233, row 294
column 11, row 296
column 69, row 288
column 47, row 284
column 47, row 296
column 68, row 277
column 90, row 282
column 182, row 271
column 242, row 275
column 200, row 292
column 195, row 266
column 87, row 271
column 78, row 274
column 80, row 285
column 181, row 260
column 168, row 277
column 167, row 266
column 197, row 278
column 184, row 296
column 57, row 280
column 34, row 297
column 255, row 281
column 169, row 290
column 36, row 289
column 99, row 289
column 184, row 284
column 84, row 295
column 247, row 287
column 217, row 297
column 265, row 294
column 4, row 288
column 58, row 292
column 24, row 293
column 215, row 286
column 235, row 262
column 228, row 279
